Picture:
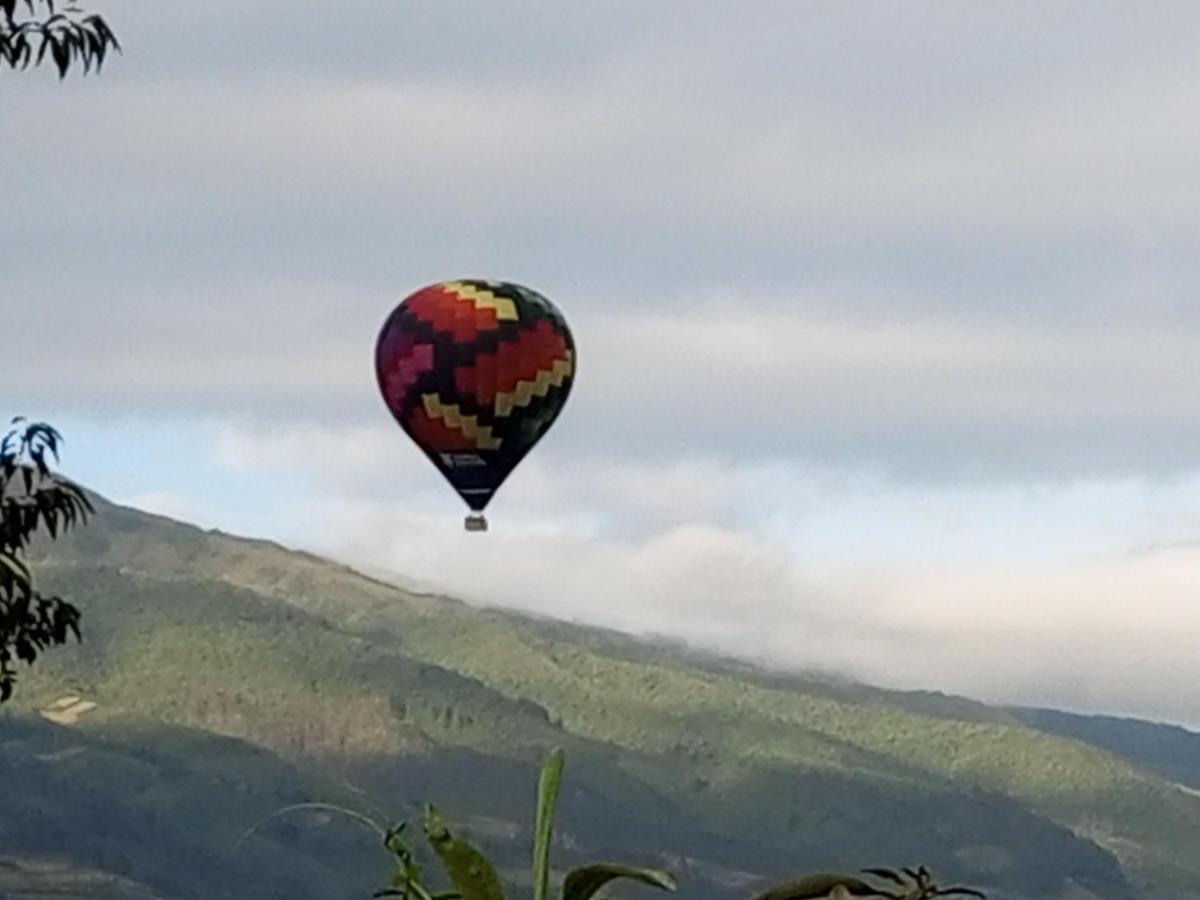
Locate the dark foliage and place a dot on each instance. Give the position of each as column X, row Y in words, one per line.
column 33, row 30
column 914, row 884
column 32, row 498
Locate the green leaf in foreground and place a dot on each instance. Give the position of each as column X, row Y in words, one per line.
column 547, row 799
column 406, row 880
column 919, row 885
column 822, row 885
column 583, row 883
column 468, row 869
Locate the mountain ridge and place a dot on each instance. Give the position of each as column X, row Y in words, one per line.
column 334, row 670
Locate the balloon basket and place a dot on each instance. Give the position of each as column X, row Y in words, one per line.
column 475, row 522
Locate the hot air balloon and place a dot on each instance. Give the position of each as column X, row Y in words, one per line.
column 475, row 372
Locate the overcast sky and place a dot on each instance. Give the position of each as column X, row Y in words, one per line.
column 886, row 313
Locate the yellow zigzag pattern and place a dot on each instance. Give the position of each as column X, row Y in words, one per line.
column 526, row 390
column 505, row 308
column 468, row 425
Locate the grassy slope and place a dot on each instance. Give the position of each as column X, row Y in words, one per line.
column 1169, row 750
column 775, row 772
column 167, row 807
column 36, row 879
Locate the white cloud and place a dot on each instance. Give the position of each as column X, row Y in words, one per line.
column 346, row 454
column 163, row 503
column 851, row 292
column 636, row 144
column 860, row 262
column 735, row 378
column 744, row 380
column 1110, row 634
column 829, row 515
column 1116, row 634
column 1017, row 593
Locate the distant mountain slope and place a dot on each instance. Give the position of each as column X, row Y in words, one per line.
column 716, row 766
column 1169, row 750
column 36, row 879
column 135, row 810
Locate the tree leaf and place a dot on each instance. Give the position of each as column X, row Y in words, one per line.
column 547, row 800
column 889, row 874
column 583, row 883
column 471, row 873
column 19, row 570
column 62, row 57
column 818, row 886
column 29, row 622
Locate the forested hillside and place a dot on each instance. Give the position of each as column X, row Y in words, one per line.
column 222, row 679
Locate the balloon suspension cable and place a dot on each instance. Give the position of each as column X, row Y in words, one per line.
column 475, row 522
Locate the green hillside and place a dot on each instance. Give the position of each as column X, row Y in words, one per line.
column 1169, row 750
column 35, row 879
column 165, row 808
column 327, row 685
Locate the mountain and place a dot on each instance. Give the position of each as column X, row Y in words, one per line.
column 223, row 679
column 35, row 879
column 1169, row 750
column 148, row 810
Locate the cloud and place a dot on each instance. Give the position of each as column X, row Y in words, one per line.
column 827, row 513
column 174, row 506
column 850, row 291
column 1117, row 634
column 1110, row 634
column 736, row 379
column 1010, row 593
column 946, row 184
column 658, row 134
column 857, row 263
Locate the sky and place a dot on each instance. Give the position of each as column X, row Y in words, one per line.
column 885, row 313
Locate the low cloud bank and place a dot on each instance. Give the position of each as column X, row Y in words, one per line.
column 1117, row 634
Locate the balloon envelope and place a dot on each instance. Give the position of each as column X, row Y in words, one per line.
column 475, row 372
